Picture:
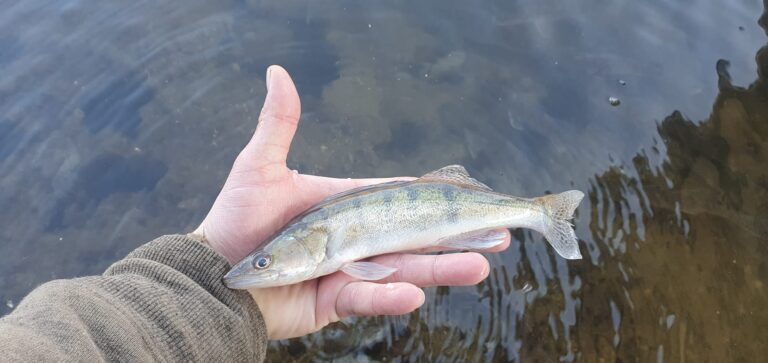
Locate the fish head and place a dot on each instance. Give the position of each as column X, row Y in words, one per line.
column 290, row 257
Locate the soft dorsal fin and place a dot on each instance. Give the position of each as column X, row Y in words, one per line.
column 455, row 174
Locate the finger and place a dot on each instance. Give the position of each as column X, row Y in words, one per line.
column 372, row 299
column 457, row 269
column 278, row 120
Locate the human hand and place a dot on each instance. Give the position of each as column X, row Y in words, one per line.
column 261, row 195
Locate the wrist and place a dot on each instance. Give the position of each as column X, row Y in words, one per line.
column 208, row 238
column 199, row 236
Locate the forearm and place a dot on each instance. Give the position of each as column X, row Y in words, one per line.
column 163, row 302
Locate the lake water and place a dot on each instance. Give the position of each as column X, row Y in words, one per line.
column 119, row 121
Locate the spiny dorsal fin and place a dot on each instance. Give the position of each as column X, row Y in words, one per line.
column 455, row 174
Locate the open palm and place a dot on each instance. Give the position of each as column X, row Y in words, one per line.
column 261, row 195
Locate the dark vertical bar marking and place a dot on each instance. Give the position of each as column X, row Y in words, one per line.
column 449, row 193
column 413, row 195
column 387, row 197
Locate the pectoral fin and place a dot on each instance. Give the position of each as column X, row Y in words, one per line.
column 367, row 270
column 476, row 240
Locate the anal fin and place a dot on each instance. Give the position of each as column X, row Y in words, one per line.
column 475, row 240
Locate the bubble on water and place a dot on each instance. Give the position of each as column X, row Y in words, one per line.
column 670, row 320
column 513, row 122
column 614, row 101
column 526, row 288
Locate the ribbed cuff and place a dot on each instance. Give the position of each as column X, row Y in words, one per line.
column 197, row 261
column 190, row 257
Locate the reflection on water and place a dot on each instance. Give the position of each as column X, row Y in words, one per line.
column 684, row 240
column 118, row 122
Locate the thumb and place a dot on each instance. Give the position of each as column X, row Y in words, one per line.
column 277, row 123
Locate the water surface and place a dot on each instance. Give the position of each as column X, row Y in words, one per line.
column 118, row 123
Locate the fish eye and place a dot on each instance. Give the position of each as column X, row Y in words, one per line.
column 262, row 261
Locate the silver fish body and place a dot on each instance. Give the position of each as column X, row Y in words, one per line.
column 446, row 208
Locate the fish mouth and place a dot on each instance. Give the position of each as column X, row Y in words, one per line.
column 239, row 281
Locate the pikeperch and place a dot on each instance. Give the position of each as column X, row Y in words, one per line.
column 445, row 208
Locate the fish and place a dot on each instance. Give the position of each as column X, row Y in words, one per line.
column 443, row 209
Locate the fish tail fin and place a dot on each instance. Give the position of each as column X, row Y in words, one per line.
column 558, row 230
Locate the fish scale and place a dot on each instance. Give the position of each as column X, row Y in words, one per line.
column 410, row 227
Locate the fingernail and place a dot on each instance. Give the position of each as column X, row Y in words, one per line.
column 269, row 77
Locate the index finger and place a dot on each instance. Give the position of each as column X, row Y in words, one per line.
column 456, row 269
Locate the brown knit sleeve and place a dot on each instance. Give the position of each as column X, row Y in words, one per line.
column 164, row 302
